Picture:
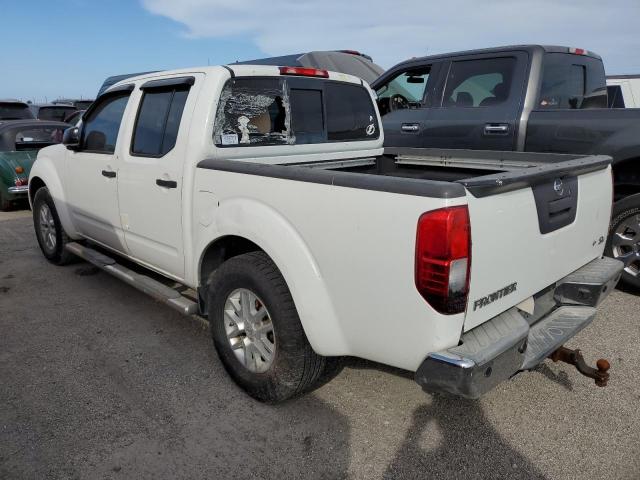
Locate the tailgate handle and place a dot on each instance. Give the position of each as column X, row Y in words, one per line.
column 109, row 173
column 410, row 127
column 496, row 129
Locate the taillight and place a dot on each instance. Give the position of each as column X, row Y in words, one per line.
column 19, row 182
column 443, row 258
column 304, row 72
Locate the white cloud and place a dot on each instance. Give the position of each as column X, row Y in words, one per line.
column 392, row 31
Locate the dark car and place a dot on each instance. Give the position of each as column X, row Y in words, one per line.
column 51, row 111
column 14, row 110
column 343, row 61
column 20, row 141
column 79, row 103
column 529, row 98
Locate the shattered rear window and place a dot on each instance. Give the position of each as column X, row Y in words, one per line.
column 253, row 111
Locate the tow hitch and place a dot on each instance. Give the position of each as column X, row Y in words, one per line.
column 575, row 358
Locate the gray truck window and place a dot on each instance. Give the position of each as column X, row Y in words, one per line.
column 616, row 100
column 572, row 82
column 253, row 111
column 479, row 83
column 158, row 122
column 100, row 129
column 350, row 113
column 407, row 90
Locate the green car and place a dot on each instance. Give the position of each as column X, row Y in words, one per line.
column 20, row 141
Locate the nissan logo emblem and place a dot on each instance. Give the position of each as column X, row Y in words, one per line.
column 558, row 186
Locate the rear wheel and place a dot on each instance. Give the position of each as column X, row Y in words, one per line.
column 624, row 238
column 257, row 332
column 49, row 232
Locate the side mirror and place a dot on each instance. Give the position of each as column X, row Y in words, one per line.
column 71, row 138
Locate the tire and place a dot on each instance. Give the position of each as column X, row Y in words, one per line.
column 52, row 240
column 292, row 368
column 624, row 239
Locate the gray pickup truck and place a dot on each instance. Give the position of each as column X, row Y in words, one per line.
column 524, row 98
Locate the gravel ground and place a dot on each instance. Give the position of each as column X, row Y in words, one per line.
column 99, row 381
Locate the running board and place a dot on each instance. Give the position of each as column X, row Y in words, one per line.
column 145, row 284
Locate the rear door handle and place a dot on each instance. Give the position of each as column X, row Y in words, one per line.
column 410, row 127
column 496, row 129
column 109, row 173
column 166, row 183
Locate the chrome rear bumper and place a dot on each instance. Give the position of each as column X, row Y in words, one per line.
column 509, row 343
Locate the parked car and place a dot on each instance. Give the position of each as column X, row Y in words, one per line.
column 74, row 117
column 20, row 141
column 79, row 103
column 623, row 91
column 50, row 111
column 524, row 98
column 264, row 192
column 344, row 61
column 14, row 110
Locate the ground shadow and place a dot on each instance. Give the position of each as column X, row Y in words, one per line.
column 469, row 446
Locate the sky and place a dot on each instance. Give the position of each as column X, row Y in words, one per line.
column 66, row 48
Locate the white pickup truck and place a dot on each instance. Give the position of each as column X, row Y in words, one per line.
column 261, row 198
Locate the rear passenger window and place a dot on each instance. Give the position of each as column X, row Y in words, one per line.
column 572, row 82
column 479, row 83
column 616, row 100
column 350, row 113
column 158, row 121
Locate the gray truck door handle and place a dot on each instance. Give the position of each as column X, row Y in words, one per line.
column 410, row 127
column 496, row 129
column 109, row 173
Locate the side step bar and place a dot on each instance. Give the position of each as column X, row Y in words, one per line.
column 148, row 285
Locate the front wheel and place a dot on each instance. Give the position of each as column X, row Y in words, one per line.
column 257, row 332
column 624, row 238
column 49, row 232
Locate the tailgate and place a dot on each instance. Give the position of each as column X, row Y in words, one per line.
column 532, row 227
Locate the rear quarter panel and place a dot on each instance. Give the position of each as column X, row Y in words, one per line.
column 347, row 255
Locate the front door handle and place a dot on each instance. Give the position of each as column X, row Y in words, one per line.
column 166, row 183
column 496, row 129
column 109, row 173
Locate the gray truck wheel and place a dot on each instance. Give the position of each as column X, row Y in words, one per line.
column 49, row 232
column 257, row 332
column 624, row 238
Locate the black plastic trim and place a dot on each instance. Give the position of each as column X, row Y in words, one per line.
column 404, row 186
column 168, row 83
column 233, row 74
column 532, row 176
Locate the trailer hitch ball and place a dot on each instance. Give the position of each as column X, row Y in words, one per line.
column 600, row 375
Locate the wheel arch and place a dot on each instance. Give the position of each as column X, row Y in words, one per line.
column 626, row 177
column 263, row 229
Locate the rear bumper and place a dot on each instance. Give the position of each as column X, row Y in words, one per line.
column 18, row 192
column 514, row 340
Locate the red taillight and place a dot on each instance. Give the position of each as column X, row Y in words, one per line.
column 443, row 258
column 21, row 182
column 304, row 72
column 578, row 51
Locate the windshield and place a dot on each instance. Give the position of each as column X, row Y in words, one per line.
column 57, row 113
column 32, row 138
column 14, row 111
